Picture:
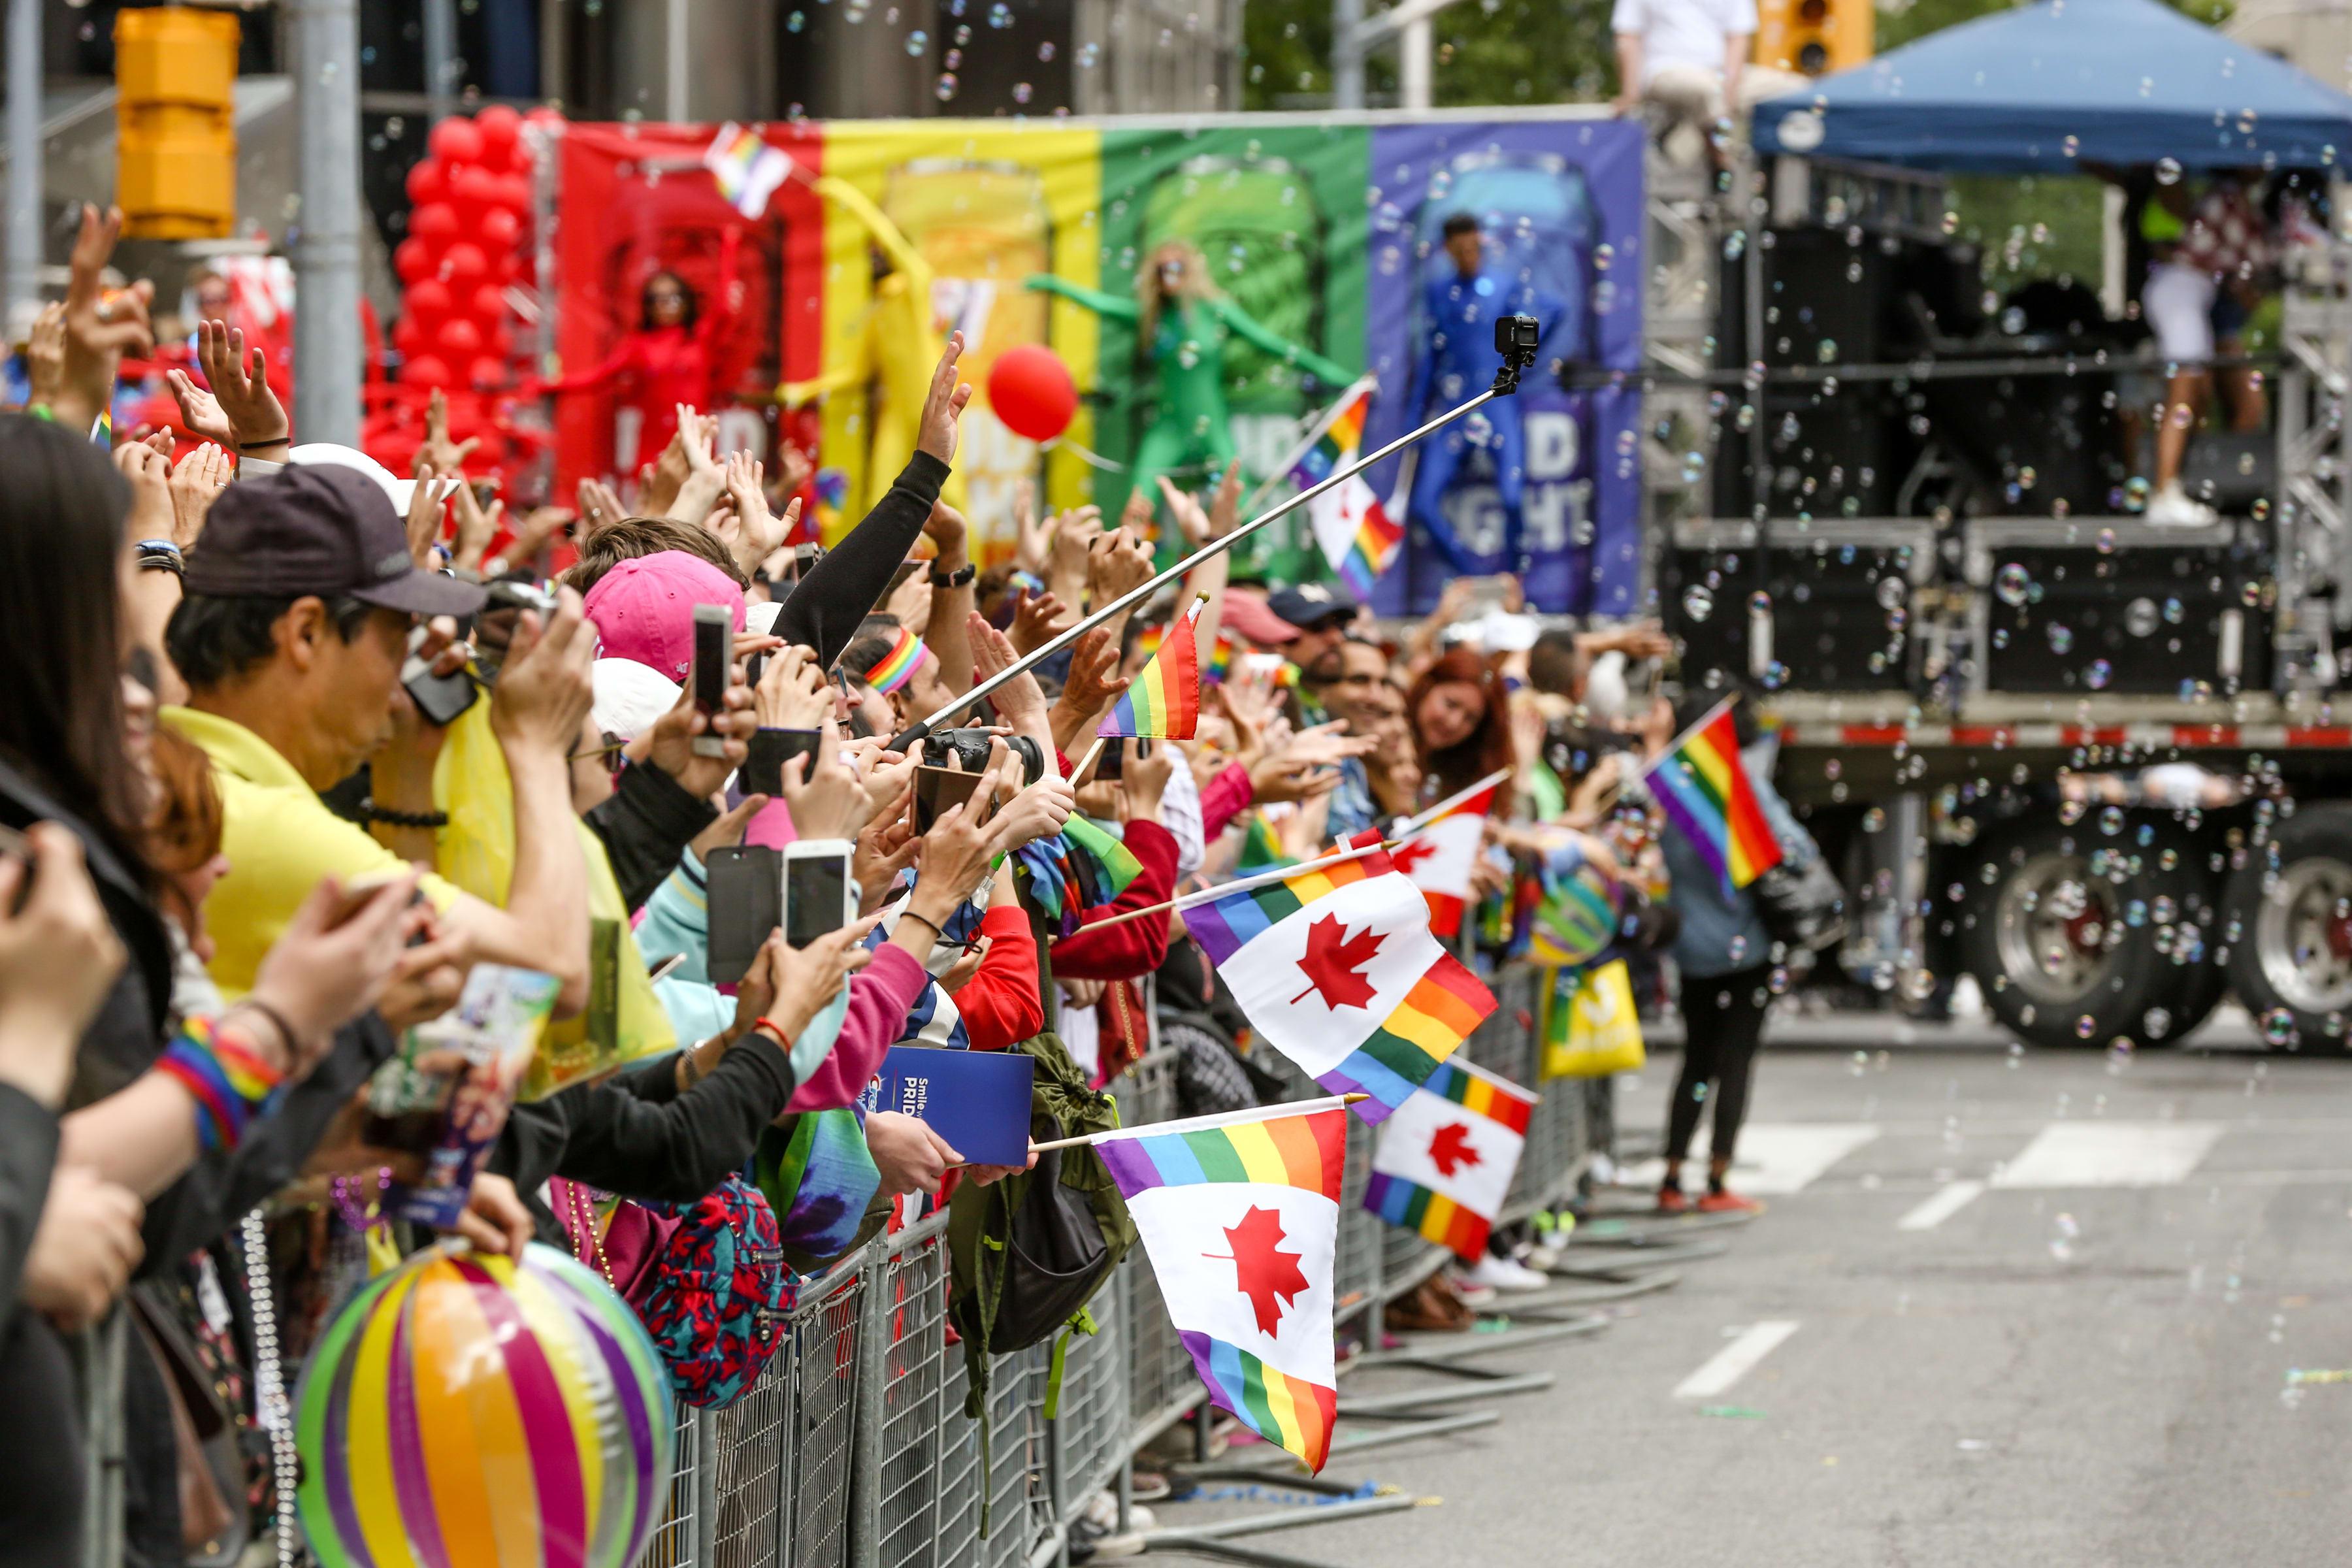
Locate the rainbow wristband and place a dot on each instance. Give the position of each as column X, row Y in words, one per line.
column 230, row 1085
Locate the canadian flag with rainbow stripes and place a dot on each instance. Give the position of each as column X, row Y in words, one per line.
column 1335, row 965
column 1446, row 1159
column 1240, row 1215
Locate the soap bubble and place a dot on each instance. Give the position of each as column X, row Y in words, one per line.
column 2156, row 1022
column 2061, row 637
column 946, row 88
column 1698, row 602
column 2140, row 617
column 1890, row 591
column 2168, row 171
column 2013, row 583
column 2111, row 820
column 999, row 16
column 2098, row 675
column 917, row 41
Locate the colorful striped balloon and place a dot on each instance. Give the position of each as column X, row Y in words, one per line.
column 465, row 1411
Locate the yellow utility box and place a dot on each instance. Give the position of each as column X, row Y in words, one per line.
column 175, row 122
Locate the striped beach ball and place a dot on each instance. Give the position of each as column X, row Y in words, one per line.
column 465, row 1409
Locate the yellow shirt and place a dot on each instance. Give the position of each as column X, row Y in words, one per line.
column 279, row 839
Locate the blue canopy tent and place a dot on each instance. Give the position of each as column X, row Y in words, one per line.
column 2046, row 86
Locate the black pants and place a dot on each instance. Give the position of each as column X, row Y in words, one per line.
column 1724, row 1019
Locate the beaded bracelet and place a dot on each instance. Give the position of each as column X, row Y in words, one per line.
column 230, row 1085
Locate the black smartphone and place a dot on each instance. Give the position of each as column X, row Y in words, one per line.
column 938, row 789
column 817, row 894
column 440, row 698
column 1111, row 766
column 746, row 896
column 714, row 651
column 16, row 846
column 763, row 771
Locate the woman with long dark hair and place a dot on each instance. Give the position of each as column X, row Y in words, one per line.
column 671, row 357
column 1461, row 723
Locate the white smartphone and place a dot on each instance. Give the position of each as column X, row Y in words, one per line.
column 819, row 897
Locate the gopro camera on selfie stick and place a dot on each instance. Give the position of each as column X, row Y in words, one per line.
column 1516, row 338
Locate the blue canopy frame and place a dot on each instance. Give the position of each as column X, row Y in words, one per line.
column 2044, row 88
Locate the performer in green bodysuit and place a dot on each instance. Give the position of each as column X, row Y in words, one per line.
column 1182, row 322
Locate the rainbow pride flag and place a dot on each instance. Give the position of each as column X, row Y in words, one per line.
column 1358, row 537
column 1701, row 785
column 1444, row 1161
column 1577, row 920
column 747, row 169
column 1240, row 1217
column 1335, row 966
column 1164, row 702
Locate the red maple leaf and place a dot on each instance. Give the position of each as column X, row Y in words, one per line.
column 1451, row 1149
column 1412, row 853
column 1261, row 1270
column 1332, row 959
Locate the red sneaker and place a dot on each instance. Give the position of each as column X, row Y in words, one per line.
column 1673, row 1200
column 1729, row 1203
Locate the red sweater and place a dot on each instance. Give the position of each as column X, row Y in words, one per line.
column 1000, row 1003
column 1228, row 796
column 879, row 997
column 1132, row 948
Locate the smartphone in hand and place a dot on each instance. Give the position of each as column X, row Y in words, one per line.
column 819, row 897
column 714, row 652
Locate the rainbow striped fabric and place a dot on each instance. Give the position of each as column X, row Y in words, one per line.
column 747, row 169
column 898, row 666
column 1336, row 967
column 1577, row 920
column 1445, row 1160
column 1240, row 1217
column 1703, row 787
column 1357, row 538
column 1164, row 701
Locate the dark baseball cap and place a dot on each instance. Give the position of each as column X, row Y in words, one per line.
column 318, row 529
column 1309, row 604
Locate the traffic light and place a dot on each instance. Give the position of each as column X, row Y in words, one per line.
column 175, row 122
column 1815, row 37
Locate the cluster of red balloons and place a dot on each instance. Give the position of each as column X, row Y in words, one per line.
column 468, row 238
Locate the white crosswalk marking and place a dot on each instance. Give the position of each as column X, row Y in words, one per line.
column 1950, row 1200
column 2110, row 1154
column 1735, row 1360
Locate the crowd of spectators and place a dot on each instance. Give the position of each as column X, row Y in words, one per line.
column 247, row 848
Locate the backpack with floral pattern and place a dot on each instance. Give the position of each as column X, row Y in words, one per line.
column 719, row 1294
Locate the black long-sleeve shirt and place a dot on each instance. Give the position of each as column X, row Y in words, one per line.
column 824, row 608
column 645, row 826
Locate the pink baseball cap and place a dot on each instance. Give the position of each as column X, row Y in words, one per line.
column 644, row 609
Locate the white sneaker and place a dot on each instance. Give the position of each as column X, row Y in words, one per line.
column 2171, row 507
column 1471, row 1293
column 1503, row 1274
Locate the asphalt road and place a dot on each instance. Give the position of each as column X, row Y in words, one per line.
column 2077, row 1352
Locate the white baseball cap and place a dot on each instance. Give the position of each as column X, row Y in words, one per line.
column 401, row 490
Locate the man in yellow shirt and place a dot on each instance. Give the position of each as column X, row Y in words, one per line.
column 300, row 600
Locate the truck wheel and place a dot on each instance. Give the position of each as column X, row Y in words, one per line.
column 2060, row 940
column 2185, row 910
column 2291, row 961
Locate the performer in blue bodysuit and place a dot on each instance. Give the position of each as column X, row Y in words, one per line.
column 1460, row 303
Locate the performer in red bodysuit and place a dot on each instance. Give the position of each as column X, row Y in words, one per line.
column 673, row 355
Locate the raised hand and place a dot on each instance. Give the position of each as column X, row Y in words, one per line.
column 599, row 506
column 938, row 431
column 196, row 483
column 45, row 356
column 446, row 456
column 100, row 327
column 543, row 692
column 258, row 426
column 1035, row 620
column 477, row 526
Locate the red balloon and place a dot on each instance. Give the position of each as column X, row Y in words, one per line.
column 487, row 370
column 500, row 230
column 429, row 300
column 425, row 370
column 499, row 126
column 463, row 263
column 459, row 338
column 473, row 190
column 514, row 194
column 1030, row 390
column 502, row 342
column 413, row 260
column 488, row 303
column 457, row 140
column 428, row 182
column 407, row 335
column 435, row 221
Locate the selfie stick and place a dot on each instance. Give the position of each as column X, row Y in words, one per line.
column 1516, row 340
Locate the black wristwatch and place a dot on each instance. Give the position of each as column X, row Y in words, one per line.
column 955, row 579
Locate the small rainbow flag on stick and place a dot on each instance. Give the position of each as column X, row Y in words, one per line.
column 1445, row 1160
column 747, row 169
column 1164, row 702
column 1701, row 785
column 1357, row 538
column 1240, row 1215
